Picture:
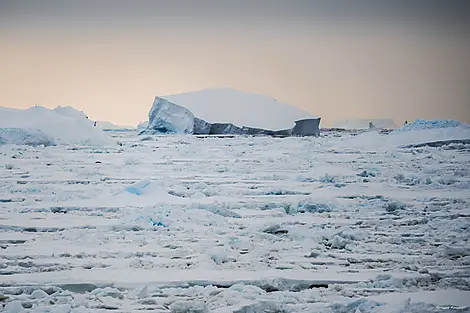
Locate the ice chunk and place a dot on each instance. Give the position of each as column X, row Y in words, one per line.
column 81, row 309
column 338, row 242
column 220, row 255
column 263, row 307
column 169, row 118
column 363, row 305
column 138, row 188
column 108, row 292
column 39, row 294
column 14, row 307
column 189, row 307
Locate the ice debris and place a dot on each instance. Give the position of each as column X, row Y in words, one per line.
column 189, row 307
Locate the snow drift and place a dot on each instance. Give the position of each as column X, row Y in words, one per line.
column 39, row 125
column 224, row 105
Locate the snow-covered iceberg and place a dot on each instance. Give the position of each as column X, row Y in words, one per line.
column 39, row 125
column 224, row 105
column 225, row 111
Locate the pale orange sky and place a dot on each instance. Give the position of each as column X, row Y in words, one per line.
column 113, row 73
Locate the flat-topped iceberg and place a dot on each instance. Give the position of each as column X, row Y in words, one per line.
column 225, row 111
column 228, row 106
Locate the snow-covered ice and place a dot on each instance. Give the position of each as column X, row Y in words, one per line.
column 39, row 125
column 338, row 223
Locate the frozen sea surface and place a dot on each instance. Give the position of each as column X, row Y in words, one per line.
column 250, row 225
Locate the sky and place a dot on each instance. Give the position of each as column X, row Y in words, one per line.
column 337, row 59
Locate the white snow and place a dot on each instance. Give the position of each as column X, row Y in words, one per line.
column 167, row 117
column 63, row 125
column 223, row 105
column 338, row 223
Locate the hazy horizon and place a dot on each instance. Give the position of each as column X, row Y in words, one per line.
column 111, row 58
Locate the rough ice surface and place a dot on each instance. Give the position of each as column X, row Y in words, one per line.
column 63, row 125
column 22, row 136
column 169, row 118
column 333, row 224
column 429, row 124
column 224, row 105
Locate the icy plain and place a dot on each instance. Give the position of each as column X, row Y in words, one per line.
column 187, row 224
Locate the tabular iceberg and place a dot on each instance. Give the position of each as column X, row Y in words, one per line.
column 171, row 117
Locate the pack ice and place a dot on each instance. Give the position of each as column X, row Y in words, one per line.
column 345, row 222
column 41, row 126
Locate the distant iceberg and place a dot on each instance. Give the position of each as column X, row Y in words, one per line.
column 430, row 124
column 41, row 126
column 226, row 111
column 228, row 106
column 364, row 123
column 104, row 125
